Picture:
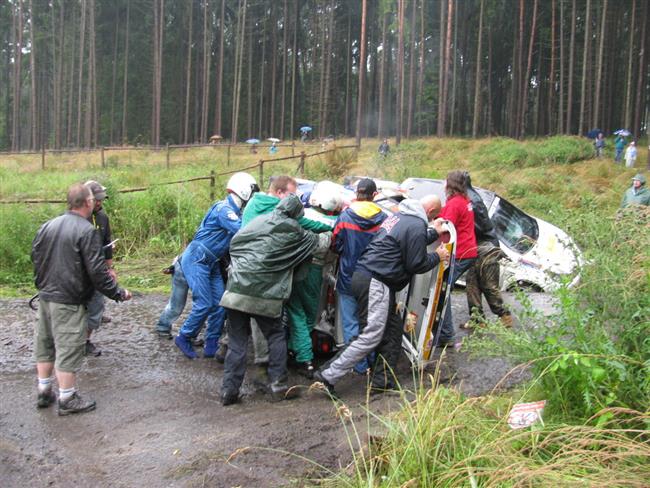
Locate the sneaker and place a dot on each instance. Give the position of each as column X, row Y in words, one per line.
column 76, row 404
column 106, row 319
column 45, row 399
column 210, row 349
column 92, row 350
column 229, row 398
column 185, row 345
column 318, row 376
column 305, row 369
column 164, row 334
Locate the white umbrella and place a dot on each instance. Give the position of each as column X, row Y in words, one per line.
column 273, row 139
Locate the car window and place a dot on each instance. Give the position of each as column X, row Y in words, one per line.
column 514, row 228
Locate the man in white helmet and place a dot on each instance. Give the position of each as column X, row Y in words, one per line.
column 200, row 263
column 302, row 308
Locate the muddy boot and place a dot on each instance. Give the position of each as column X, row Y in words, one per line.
column 185, row 345
column 305, row 369
column 229, row 398
column 210, row 348
column 164, row 334
column 220, row 356
column 76, row 404
column 281, row 391
column 92, row 350
column 45, row 399
column 506, row 320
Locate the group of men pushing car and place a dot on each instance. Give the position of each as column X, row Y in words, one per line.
column 257, row 259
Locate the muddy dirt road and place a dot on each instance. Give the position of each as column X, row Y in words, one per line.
column 159, row 421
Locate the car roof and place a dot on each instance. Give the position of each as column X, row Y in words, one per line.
column 420, row 187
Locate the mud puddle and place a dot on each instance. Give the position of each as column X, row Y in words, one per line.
column 159, row 421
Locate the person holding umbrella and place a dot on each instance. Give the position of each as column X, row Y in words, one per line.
column 619, row 146
column 304, row 131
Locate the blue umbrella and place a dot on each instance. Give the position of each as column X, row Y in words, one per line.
column 305, row 128
column 593, row 133
column 622, row 132
column 253, row 141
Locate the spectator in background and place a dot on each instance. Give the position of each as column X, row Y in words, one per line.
column 637, row 194
column 599, row 144
column 619, row 145
column 384, row 148
column 630, row 155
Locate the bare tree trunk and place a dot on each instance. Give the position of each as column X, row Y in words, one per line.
column 551, row 75
column 477, row 78
column 114, row 78
column 239, row 55
column 205, row 92
column 274, row 63
column 399, row 115
column 643, row 69
column 569, row 108
column 382, row 76
column 445, row 79
column 91, row 132
column 585, row 62
column 188, row 77
column 453, row 76
column 441, row 70
column 560, row 110
column 17, row 22
column 409, row 119
column 519, row 73
column 630, row 58
column 328, row 68
column 348, row 69
column 362, row 72
column 261, row 100
column 58, row 76
column 249, row 84
column 32, row 76
column 526, row 80
column 421, row 66
column 285, row 54
column 490, row 116
column 125, row 80
column 71, row 78
column 294, row 68
column 219, row 94
column 599, row 66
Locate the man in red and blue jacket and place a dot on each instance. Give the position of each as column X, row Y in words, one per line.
column 354, row 229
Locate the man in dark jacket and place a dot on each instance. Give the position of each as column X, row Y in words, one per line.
column 396, row 253
column 264, row 255
column 69, row 266
column 354, row 229
column 100, row 221
column 483, row 277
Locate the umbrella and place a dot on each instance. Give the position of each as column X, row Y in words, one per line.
column 622, row 132
column 253, row 141
column 273, row 139
column 305, row 128
column 593, row 133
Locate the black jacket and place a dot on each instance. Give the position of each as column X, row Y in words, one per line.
column 399, row 250
column 483, row 226
column 103, row 226
column 69, row 263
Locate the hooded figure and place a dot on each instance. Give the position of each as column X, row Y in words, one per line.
column 637, row 194
column 264, row 255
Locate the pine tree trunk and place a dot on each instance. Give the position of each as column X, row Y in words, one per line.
column 32, row 76
column 219, row 95
column 572, row 48
column 362, row 72
column 328, row 68
column 82, row 45
column 477, row 78
column 205, row 92
column 125, row 77
column 599, row 66
column 630, row 59
column 188, row 77
column 409, row 119
column 551, row 74
column 382, row 76
column 114, row 78
column 441, row 69
column 285, row 54
column 260, row 110
column 452, row 112
column 560, row 110
column 421, row 68
column 585, row 64
column 399, row 115
column 17, row 42
column 445, row 82
column 526, row 80
column 348, row 70
column 294, row 68
column 643, row 69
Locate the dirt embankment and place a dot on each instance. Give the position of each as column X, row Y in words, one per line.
column 159, row 421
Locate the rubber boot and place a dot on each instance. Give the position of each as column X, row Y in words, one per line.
column 506, row 320
column 185, row 345
column 210, row 348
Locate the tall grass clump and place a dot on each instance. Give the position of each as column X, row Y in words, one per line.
column 441, row 439
column 594, row 351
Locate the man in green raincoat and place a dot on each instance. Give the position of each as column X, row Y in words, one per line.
column 264, row 256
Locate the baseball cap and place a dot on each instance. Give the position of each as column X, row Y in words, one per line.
column 639, row 177
column 99, row 191
column 366, row 186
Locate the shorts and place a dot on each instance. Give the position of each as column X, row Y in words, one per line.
column 60, row 336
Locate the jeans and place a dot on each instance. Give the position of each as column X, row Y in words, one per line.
column 177, row 300
column 238, row 332
column 619, row 153
column 447, row 333
column 203, row 276
column 348, row 307
column 95, row 310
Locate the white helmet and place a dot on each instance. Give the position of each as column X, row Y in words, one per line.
column 243, row 185
column 326, row 196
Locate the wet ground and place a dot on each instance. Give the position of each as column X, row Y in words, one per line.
column 159, row 421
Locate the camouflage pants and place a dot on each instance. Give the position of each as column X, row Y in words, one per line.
column 483, row 279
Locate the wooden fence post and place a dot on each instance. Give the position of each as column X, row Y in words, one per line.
column 302, row 164
column 261, row 180
column 43, row 156
column 101, row 151
column 293, row 148
column 212, row 185
column 228, row 161
column 167, row 162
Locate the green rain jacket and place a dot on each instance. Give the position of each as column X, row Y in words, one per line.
column 261, row 204
column 639, row 197
column 264, row 255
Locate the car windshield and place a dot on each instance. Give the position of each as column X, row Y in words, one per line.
column 514, row 228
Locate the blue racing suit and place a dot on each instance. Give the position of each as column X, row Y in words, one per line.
column 200, row 263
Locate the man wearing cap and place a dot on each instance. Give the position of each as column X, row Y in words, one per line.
column 354, row 229
column 100, row 221
column 637, row 194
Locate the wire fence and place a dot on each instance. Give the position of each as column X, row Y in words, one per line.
column 212, row 177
